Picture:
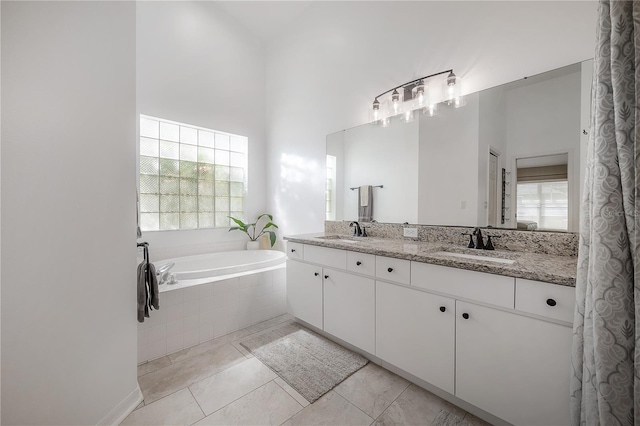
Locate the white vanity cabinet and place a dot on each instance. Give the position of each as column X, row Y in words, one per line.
column 513, row 366
column 500, row 343
column 304, row 292
column 349, row 308
column 415, row 331
column 321, row 292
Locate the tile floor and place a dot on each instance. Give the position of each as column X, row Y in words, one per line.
column 219, row 383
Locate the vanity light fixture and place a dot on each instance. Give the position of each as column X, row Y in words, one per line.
column 416, row 95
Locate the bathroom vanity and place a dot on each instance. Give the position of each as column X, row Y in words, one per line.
column 490, row 328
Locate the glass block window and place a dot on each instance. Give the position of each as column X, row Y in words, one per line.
column 190, row 177
column 546, row 203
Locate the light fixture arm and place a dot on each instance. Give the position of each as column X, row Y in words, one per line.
column 411, row 82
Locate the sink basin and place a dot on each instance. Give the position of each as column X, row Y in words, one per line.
column 476, row 257
column 338, row 239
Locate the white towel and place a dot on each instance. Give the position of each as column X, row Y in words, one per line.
column 364, row 195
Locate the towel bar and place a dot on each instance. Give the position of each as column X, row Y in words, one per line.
column 373, row 186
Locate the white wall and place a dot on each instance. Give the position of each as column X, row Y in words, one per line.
column 375, row 155
column 68, row 217
column 447, row 189
column 196, row 65
column 552, row 102
column 326, row 68
column 491, row 138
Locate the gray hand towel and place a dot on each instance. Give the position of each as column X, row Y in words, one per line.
column 365, row 213
column 154, row 293
column 142, row 290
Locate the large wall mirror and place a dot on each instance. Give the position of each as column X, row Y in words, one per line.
column 512, row 157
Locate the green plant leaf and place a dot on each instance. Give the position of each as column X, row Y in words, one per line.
column 270, row 225
column 241, row 225
column 264, row 214
column 272, row 237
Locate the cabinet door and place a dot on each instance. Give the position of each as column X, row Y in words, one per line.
column 349, row 308
column 304, row 292
column 415, row 331
column 513, row 366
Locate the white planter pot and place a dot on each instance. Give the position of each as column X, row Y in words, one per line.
column 253, row 245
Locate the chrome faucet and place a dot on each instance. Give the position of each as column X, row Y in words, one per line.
column 163, row 272
column 357, row 232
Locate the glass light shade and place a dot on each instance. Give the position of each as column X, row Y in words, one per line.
column 375, row 113
column 459, row 101
column 427, row 102
column 451, row 89
column 419, row 96
column 385, row 121
column 431, row 110
column 407, row 116
column 394, row 104
column 434, row 94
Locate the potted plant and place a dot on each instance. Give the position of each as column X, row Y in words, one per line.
column 251, row 229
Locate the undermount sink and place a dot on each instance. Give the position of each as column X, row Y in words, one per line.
column 476, row 257
column 338, row 239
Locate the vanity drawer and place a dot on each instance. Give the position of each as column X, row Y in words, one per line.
column 333, row 258
column 392, row 269
column 549, row 300
column 295, row 250
column 482, row 287
column 361, row 263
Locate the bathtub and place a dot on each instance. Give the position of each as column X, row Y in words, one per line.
column 224, row 263
column 216, row 294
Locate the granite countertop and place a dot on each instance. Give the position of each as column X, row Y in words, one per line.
column 540, row 267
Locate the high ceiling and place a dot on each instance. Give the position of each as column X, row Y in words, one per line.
column 264, row 18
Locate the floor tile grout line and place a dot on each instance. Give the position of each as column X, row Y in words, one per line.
column 292, row 397
column 196, row 400
column 399, row 395
column 240, row 397
column 206, row 377
column 258, row 332
column 359, row 409
column 335, row 389
column 159, row 399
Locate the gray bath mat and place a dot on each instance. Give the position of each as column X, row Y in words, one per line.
column 446, row 418
column 311, row 364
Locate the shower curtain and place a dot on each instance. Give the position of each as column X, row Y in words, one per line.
column 605, row 379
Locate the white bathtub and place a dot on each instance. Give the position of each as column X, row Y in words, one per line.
column 223, row 263
column 215, row 294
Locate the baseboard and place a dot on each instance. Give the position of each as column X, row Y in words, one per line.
column 123, row 409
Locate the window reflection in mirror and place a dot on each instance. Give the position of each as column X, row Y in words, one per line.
column 542, row 193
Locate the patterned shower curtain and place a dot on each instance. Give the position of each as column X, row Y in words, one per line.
column 605, row 380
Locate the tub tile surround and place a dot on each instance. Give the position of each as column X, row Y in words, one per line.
column 192, row 315
column 539, row 242
column 551, row 268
